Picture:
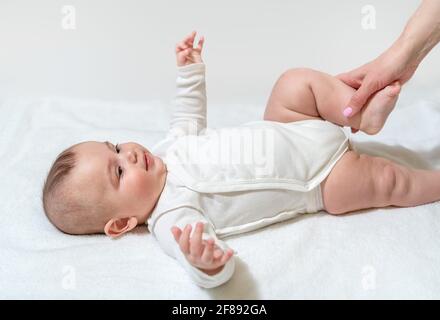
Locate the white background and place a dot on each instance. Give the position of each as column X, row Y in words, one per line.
column 124, row 50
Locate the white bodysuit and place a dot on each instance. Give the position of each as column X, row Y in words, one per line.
column 236, row 179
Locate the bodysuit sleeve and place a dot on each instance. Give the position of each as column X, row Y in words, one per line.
column 189, row 106
column 181, row 217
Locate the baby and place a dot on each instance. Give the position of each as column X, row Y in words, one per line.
column 199, row 185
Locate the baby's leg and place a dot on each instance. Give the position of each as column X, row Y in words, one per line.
column 360, row 182
column 301, row 94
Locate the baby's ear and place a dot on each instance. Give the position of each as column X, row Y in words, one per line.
column 117, row 227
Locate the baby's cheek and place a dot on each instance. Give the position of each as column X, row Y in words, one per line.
column 140, row 185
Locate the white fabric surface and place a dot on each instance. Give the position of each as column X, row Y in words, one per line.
column 381, row 253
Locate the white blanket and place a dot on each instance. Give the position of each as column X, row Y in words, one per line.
column 382, row 253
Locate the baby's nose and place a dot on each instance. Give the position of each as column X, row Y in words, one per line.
column 132, row 156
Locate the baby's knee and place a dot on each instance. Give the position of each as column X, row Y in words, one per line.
column 298, row 74
column 292, row 92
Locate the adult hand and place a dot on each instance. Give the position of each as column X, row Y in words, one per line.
column 393, row 65
column 400, row 61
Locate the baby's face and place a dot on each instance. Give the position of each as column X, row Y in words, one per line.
column 126, row 177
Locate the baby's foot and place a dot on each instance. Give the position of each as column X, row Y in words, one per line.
column 378, row 108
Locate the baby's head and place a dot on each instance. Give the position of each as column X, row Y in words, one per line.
column 96, row 187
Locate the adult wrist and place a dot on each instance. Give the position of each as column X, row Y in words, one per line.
column 408, row 50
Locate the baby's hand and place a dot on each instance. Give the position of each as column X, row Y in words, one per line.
column 186, row 54
column 200, row 253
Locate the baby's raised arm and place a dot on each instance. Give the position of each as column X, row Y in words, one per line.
column 189, row 114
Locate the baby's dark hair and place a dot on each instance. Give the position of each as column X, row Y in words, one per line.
column 66, row 207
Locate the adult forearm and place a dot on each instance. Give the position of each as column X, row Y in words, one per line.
column 422, row 32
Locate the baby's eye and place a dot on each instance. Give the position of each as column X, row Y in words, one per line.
column 120, row 171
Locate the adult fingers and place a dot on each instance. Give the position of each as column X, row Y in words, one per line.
column 361, row 96
column 349, row 79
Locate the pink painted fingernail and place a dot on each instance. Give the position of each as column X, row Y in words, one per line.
column 347, row 112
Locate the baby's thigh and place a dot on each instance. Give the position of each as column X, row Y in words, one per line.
column 356, row 182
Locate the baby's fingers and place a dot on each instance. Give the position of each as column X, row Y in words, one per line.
column 196, row 246
column 218, row 253
column 184, row 239
column 186, row 42
column 189, row 39
column 182, row 45
column 200, row 44
column 208, row 252
column 226, row 256
column 176, row 233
